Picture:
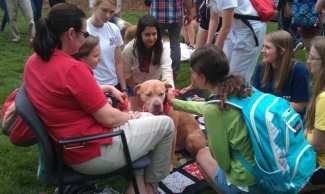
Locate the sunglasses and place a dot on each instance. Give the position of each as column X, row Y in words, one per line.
column 86, row 34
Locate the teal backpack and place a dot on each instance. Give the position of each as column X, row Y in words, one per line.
column 284, row 161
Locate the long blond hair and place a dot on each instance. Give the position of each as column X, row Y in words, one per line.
column 283, row 42
column 318, row 43
column 98, row 2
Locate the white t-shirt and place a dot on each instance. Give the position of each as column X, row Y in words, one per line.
column 241, row 7
column 109, row 39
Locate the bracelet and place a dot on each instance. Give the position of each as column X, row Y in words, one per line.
column 124, row 90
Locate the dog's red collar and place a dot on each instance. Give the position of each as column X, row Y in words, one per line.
column 165, row 110
column 166, row 105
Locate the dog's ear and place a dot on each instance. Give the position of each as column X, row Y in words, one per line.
column 137, row 93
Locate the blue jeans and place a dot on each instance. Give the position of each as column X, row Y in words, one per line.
column 37, row 9
column 174, row 32
column 53, row 2
column 221, row 183
column 5, row 18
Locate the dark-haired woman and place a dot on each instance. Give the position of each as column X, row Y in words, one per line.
column 225, row 125
column 146, row 57
column 70, row 103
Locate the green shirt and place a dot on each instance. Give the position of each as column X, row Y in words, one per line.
column 225, row 131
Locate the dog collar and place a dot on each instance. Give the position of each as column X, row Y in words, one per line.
column 165, row 110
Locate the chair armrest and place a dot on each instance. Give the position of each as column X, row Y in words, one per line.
column 65, row 141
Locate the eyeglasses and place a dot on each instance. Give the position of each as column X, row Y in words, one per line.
column 312, row 58
column 86, row 34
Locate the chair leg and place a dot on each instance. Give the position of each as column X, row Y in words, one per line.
column 129, row 163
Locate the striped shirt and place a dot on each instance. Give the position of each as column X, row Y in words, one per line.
column 167, row 11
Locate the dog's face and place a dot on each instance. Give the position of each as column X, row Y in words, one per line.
column 152, row 94
column 127, row 30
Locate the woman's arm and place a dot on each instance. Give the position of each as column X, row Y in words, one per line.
column 318, row 140
column 112, row 90
column 120, row 68
column 213, row 25
column 227, row 19
column 298, row 106
column 166, row 66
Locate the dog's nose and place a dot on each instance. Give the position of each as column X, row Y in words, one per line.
column 156, row 105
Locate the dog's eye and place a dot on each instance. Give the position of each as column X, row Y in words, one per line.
column 148, row 94
column 161, row 94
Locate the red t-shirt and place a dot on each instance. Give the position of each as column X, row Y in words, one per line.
column 65, row 93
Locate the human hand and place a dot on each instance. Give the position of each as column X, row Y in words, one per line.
column 198, row 18
column 187, row 20
column 134, row 115
column 170, row 96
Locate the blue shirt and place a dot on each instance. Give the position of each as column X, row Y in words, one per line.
column 295, row 89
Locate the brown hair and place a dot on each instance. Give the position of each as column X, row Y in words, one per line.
column 49, row 29
column 90, row 43
column 282, row 40
column 318, row 42
column 211, row 61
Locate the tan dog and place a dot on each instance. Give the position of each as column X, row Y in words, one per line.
column 127, row 30
column 188, row 135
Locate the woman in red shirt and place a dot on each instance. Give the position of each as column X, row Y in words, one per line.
column 70, row 103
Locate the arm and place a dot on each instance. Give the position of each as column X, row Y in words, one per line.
column 110, row 117
column 189, row 106
column 318, row 140
column 166, row 66
column 298, row 106
column 320, row 5
column 197, row 6
column 213, row 25
column 112, row 90
column 300, row 87
column 189, row 15
column 120, row 68
column 319, row 127
column 227, row 19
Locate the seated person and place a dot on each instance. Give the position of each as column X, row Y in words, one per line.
column 70, row 103
column 146, row 58
column 281, row 75
column 89, row 53
column 225, row 126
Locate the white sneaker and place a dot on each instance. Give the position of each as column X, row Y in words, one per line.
column 298, row 47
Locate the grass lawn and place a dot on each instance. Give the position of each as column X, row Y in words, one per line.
column 18, row 166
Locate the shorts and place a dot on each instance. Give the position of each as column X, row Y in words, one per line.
column 147, row 3
column 221, row 183
column 309, row 32
column 318, row 176
column 130, row 91
column 205, row 18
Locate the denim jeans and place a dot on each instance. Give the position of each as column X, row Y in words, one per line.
column 53, row 2
column 37, row 9
column 5, row 18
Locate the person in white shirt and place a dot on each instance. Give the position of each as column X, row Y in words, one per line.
column 145, row 57
column 110, row 70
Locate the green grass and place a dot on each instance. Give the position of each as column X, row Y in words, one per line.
column 18, row 166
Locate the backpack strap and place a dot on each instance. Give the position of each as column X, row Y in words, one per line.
column 244, row 162
column 245, row 19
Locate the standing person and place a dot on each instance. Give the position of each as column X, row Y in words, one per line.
column 26, row 8
column 225, row 125
column 235, row 38
column 54, row 2
column 284, row 23
column 5, row 18
column 281, row 75
column 188, row 31
column 315, row 116
column 79, row 107
column 203, row 17
column 146, row 57
column 37, row 6
column 169, row 15
column 110, row 70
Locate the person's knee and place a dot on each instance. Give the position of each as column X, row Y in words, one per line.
column 201, row 155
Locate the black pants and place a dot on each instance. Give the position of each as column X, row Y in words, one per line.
column 53, row 2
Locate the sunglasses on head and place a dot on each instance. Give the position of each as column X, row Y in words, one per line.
column 86, row 34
